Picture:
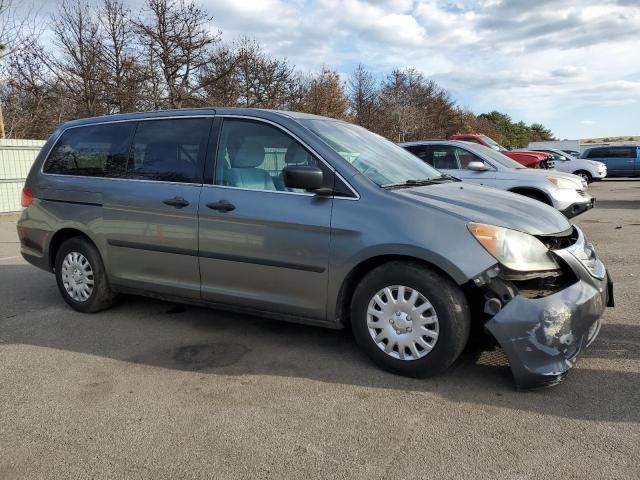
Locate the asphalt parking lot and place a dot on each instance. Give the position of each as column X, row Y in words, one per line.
column 156, row 390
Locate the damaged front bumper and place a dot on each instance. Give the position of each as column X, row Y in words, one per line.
column 578, row 208
column 543, row 337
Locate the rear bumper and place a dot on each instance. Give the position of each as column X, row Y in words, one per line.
column 577, row 208
column 543, row 337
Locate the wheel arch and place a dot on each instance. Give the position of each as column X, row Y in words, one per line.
column 60, row 237
column 355, row 275
column 583, row 170
column 532, row 191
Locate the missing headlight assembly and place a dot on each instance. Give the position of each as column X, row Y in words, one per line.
column 543, row 319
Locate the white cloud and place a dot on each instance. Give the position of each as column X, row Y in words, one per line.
column 545, row 60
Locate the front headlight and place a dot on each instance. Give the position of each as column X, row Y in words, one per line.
column 564, row 183
column 513, row 249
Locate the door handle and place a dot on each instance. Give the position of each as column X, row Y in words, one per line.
column 221, row 206
column 177, row 202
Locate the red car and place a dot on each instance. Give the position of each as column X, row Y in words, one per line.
column 528, row 158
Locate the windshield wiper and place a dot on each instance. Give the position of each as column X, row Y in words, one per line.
column 416, row 183
column 445, row 176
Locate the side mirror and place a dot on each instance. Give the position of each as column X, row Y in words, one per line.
column 304, row 177
column 477, row 167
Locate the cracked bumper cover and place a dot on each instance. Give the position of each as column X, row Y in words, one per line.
column 543, row 337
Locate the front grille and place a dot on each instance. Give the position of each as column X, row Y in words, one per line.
column 582, row 193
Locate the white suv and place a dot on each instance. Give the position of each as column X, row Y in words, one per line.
column 476, row 163
column 590, row 170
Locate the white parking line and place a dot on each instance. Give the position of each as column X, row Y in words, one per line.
column 9, row 258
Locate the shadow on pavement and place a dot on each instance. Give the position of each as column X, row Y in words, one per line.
column 166, row 335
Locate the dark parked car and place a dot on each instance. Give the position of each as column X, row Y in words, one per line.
column 312, row 220
column 621, row 160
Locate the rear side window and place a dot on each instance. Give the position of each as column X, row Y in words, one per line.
column 420, row 151
column 444, row 158
column 612, row 152
column 91, row 151
column 622, row 152
column 170, row 150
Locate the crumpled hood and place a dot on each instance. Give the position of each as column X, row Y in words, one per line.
column 475, row 203
column 535, row 153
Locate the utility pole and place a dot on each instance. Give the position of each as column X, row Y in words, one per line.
column 2, row 135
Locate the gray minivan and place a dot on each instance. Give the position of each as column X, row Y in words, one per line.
column 312, row 220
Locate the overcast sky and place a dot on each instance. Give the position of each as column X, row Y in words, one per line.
column 573, row 65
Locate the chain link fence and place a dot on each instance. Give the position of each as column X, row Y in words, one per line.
column 16, row 158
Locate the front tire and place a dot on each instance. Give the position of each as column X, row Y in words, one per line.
column 586, row 176
column 81, row 276
column 410, row 319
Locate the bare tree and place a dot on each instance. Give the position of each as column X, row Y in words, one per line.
column 222, row 87
column 17, row 27
column 78, row 60
column 415, row 108
column 34, row 105
column 363, row 93
column 178, row 42
column 123, row 75
column 264, row 81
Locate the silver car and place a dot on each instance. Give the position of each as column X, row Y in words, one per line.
column 313, row 220
column 589, row 170
column 482, row 165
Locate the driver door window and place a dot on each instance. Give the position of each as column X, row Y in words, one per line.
column 252, row 155
column 447, row 157
column 465, row 157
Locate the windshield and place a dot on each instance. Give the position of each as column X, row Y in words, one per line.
column 557, row 156
column 378, row 159
column 498, row 157
column 493, row 144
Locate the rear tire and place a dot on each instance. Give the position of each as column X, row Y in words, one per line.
column 585, row 175
column 418, row 344
column 81, row 276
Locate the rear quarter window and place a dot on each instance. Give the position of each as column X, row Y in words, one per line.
column 91, row 151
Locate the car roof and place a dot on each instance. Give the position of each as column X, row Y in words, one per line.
column 616, row 145
column 435, row 142
column 187, row 112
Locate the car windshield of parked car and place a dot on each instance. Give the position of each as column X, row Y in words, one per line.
column 380, row 160
column 493, row 144
column 498, row 157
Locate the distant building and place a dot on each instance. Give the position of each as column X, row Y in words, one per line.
column 559, row 144
column 582, row 144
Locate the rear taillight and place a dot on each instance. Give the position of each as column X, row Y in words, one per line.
column 26, row 198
